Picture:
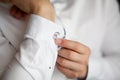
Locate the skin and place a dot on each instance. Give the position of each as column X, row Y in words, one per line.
column 73, row 57
column 19, row 14
column 38, row 7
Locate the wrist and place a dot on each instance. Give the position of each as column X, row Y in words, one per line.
column 45, row 10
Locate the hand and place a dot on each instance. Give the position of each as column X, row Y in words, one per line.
column 39, row 7
column 18, row 14
column 73, row 58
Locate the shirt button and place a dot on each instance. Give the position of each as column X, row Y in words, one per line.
column 49, row 67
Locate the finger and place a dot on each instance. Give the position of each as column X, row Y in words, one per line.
column 16, row 12
column 12, row 11
column 67, row 72
column 19, row 15
column 73, row 56
column 69, row 64
column 73, row 45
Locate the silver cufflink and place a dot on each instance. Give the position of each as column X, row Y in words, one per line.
column 56, row 35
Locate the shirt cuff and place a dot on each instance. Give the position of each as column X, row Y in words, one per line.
column 38, row 51
column 41, row 28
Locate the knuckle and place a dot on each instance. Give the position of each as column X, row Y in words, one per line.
column 85, row 61
column 62, row 61
column 82, row 70
column 70, row 54
column 60, row 51
column 88, row 51
column 75, row 75
column 69, row 76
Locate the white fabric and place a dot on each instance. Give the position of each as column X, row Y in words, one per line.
column 33, row 45
column 95, row 23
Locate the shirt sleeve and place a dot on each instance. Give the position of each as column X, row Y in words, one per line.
column 108, row 66
column 35, row 60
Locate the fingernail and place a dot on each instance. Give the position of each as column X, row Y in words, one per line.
column 58, row 41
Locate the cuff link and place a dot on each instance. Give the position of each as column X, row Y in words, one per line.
column 56, row 35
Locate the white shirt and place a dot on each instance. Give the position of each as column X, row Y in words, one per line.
column 95, row 23
column 32, row 43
